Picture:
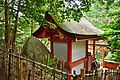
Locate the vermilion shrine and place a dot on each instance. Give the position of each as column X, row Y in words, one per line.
column 69, row 42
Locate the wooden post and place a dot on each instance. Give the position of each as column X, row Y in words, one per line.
column 101, row 74
column 29, row 74
column 82, row 74
column 118, row 72
column 3, row 75
column 74, row 75
column 20, row 69
column 105, row 74
column 33, row 71
column 93, row 49
column 87, row 56
column 103, row 57
column 12, row 68
column 9, row 67
column 69, row 57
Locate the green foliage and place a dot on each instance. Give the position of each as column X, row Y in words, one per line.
column 113, row 57
column 113, row 35
column 62, row 10
column 1, row 21
column 98, row 56
column 24, row 30
column 32, row 13
column 110, row 57
column 106, row 15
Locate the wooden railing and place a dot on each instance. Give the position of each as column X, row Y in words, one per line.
column 21, row 68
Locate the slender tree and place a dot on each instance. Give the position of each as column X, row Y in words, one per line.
column 16, row 23
column 6, row 24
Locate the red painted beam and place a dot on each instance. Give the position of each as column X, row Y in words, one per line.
column 78, row 62
column 58, row 40
column 111, row 65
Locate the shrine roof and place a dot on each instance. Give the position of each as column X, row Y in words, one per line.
column 84, row 27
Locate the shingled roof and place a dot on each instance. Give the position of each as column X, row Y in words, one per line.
column 80, row 30
column 84, row 27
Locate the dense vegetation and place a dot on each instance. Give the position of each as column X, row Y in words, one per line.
column 20, row 18
column 106, row 15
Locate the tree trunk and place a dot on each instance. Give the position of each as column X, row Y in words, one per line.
column 6, row 40
column 16, row 25
column 6, row 25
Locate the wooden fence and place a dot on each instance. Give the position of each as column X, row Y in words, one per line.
column 20, row 68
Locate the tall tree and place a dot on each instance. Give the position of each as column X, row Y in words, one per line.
column 6, row 24
column 16, row 23
column 16, row 10
column 106, row 15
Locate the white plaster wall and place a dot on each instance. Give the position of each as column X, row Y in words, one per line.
column 78, row 68
column 60, row 50
column 78, row 50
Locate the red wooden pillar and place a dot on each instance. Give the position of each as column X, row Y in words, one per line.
column 93, row 49
column 69, row 57
column 103, row 57
column 87, row 56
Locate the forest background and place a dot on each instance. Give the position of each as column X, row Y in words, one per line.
column 20, row 18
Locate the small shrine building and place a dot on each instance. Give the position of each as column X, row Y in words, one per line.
column 69, row 42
